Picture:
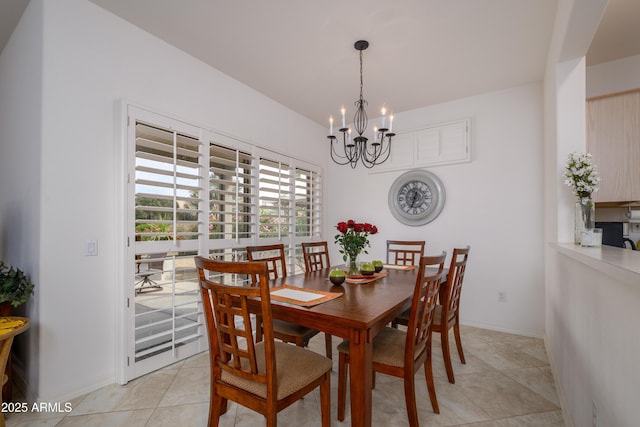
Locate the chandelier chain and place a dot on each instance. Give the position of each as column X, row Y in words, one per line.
column 361, row 81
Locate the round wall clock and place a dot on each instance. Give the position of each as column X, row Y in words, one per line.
column 416, row 197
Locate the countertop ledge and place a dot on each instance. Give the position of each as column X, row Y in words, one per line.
column 617, row 262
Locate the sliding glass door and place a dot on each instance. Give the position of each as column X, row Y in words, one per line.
column 165, row 232
column 192, row 192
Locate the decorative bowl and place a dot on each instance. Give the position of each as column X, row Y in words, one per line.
column 337, row 280
column 367, row 269
column 337, row 276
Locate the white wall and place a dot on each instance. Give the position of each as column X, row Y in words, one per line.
column 20, row 162
column 590, row 315
column 494, row 204
column 592, row 340
column 613, row 76
column 91, row 60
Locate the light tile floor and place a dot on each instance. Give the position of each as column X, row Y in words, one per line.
column 506, row 382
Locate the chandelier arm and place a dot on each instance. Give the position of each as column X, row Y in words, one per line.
column 362, row 154
column 383, row 154
column 352, row 150
column 374, row 150
column 379, row 154
column 337, row 158
column 371, row 157
column 388, row 151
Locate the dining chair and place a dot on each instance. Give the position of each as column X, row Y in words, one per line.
column 316, row 257
column 399, row 353
column 265, row 376
column 447, row 311
column 404, row 252
column 273, row 255
column 299, row 335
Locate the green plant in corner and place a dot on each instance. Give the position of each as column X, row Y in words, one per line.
column 15, row 286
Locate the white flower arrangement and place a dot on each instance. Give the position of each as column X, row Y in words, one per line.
column 582, row 176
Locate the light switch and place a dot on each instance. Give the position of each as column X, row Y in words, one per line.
column 91, row 248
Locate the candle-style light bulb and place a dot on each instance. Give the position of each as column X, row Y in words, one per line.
column 384, row 117
column 330, row 125
column 344, row 123
column 390, row 123
column 375, row 133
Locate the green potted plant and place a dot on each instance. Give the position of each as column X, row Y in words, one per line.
column 15, row 286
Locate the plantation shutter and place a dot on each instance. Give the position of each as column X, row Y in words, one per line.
column 308, row 203
column 167, row 193
column 231, row 194
column 275, row 200
column 167, row 187
column 192, row 191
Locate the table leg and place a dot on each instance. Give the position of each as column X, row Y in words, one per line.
column 360, row 369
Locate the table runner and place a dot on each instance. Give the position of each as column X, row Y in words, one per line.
column 399, row 267
column 365, row 279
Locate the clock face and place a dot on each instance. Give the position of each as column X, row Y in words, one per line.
column 416, row 197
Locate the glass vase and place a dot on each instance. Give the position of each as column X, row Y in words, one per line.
column 353, row 266
column 585, row 217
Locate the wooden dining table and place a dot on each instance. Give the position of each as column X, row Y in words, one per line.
column 358, row 316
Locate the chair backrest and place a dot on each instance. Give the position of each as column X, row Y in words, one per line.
column 404, row 252
column 316, row 256
column 458, row 265
column 423, row 303
column 273, row 255
column 231, row 338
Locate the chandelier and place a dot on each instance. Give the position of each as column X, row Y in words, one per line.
column 358, row 148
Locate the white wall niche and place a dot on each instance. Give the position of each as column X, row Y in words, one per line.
column 441, row 144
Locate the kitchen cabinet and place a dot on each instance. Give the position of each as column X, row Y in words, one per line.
column 613, row 138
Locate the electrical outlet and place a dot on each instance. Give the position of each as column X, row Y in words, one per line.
column 635, row 227
column 91, row 248
column 594, row 412
column 502, row 296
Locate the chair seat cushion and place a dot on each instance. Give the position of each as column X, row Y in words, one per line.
column 292, row 329
column 388, row 347
column 405, row 316
column 438, row 315
column 296, row 367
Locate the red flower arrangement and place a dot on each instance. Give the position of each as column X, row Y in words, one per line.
column 354, row 238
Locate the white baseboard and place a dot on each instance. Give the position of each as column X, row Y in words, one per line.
column 497, row 328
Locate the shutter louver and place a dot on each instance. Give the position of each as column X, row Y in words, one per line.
column 275, row 199
column 231, row 194
column 167, row 190
column 308, row 205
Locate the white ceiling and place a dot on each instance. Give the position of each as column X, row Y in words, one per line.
column 618, row 34
column 422, row 52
